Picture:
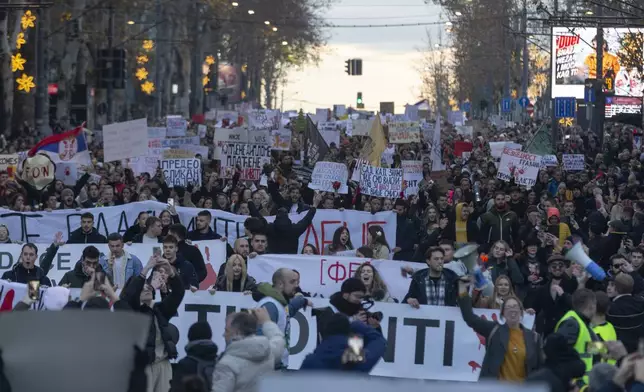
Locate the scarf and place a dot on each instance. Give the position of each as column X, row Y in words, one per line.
column 461, row 225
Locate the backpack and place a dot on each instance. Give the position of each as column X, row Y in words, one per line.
column 205, row 369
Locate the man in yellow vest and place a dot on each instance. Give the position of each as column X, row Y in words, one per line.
column 575, row 327
column 602, row 328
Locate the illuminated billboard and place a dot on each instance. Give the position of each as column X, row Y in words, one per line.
column 618, row 105
column 575, row 60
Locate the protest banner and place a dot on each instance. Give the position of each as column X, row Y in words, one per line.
column 523, row 167
column 381, row 182
column 412, row 176
column 427, row 130
column 404, row 132
column 145, row 164
column 213, row 251
column 156, row 133
column 496, row 148
column 9, row 163
column 201, row 131
column 355, row 175
column 182, row 172
column 465, row 130
column 38, row 226
column 330, row 132
column 176, row 126
column 549, row 161
column 281, row 139
column 67, row 172
column 180, row 142
column 361, row 127
column 459, row 355
column 125, row 140
column 573, row 162
column 326, row 174
column 249, row 157
column 263, row 119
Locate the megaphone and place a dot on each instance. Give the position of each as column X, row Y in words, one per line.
column 467, row 255
column 580, row 257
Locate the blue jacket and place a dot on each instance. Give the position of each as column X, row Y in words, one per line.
column 328, row 354
column 133, row 265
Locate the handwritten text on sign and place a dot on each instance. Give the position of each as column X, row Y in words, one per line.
column 326, row 174
column 412, row 175
column 248, row 157
column 381, row 182
column 573, row 162
column 523, row 167
column 182, row 172
column 404, row 132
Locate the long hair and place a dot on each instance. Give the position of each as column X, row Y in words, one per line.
column 378, row 235
column 426, row 220
column 229, row 272
column 336, row 239
column 495, row 293
column 377, row 283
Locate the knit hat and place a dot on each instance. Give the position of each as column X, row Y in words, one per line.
column 67, row 192
column 352, row 285
column 55, row 298
column 552, row 211
column 199, row 331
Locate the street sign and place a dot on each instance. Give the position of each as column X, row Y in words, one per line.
column 529, row 109
column 589, row 94
column 506, row 105
column 524, row 101
column 466, row 107
column 565, row 107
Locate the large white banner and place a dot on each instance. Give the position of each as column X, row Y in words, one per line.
column 213, row 252
column 41, row 226
column 323, row 275
column 431, row 343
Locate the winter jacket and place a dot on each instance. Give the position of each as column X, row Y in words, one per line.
column 499, row 225
column 249, row 285
column 193, row 255
column 417, row 287
column 196, row 235
column 284, row 235
column 93, row 237
column 328, row 354
column 626, row 313
column 507, row 267
column 76, row 278
column 161, row 311
column 247, row 360
column 203, row 350
column 133, row 266
column 406, row 237
column 497, row 337
column 20, row 274
column 186, row 272
column 550, row 311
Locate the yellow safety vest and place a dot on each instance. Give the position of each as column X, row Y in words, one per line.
column 606, row 332
column 582, row 340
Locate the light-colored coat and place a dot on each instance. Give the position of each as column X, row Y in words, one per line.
column 245, row 361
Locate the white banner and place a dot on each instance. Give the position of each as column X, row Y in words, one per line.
column 213, row 252
column 9, row 163
column 573, row 162
column 125, row 140
column 182, row 172
column 496, row 148
column 176, row 126
column 404, row 132
column 523, row 167
column 381, row 182
column 156, row 133
column 325, row 174
column 40, row 226
column 412, row 176
column 323, row 275
column 263, row 120
column 361, row 127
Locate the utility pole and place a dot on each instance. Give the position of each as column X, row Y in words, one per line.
column 110, row 47
column 526, row 57
column 157, row 110
column 41, row 104
column 196, row 85
column 600, row 100
column 554, row 127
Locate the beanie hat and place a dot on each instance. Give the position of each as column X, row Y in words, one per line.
column 552, row 211
column 352, row 285
column 55, row 298
column 199, row 331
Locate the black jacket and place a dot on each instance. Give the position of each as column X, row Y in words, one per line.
column 550, row 311
column 203, row 350
column 626, row 313
column 138, row 239
column 193, row 255
column 196, row 235
column 499, row 225
column 131, row 232
column 20, row 274
column 186, row 272
column 93, row 237
column 406, row 237
column 284, row 235
column 162, row 311
column 419, row 282
column 76, row 278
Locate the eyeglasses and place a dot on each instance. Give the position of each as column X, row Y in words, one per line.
column 557, row 266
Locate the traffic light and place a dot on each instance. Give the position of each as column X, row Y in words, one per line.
column 359, row 103
column 353, row 67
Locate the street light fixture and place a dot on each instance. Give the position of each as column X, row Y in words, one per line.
column 274, row 28
column 589, row 12
column 437, row 45
column 267, row 23
column 251, row 12
column 130, row 22
column 235, row 4
column 284, row 43
column 458, row 13
column 449, row 24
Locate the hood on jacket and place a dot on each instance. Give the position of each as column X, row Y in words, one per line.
column 282, row 221
column 267, row 290
column 459, row 210
column 252, row 348
column 202, row 349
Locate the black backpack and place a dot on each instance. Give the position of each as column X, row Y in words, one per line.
column 205, row 369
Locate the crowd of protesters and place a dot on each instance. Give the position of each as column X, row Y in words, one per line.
column 589, row 330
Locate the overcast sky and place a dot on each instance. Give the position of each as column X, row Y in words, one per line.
column 391, row 56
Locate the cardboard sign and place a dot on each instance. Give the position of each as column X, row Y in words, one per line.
column 325, row 174
column 381, row 182
column 573, row 162
column 125, row 140
column 281, row 139
column 9, row 163
column 404, row 132
column 176, row 126
column 412, row 176
column 181, row 172
column 523, row 167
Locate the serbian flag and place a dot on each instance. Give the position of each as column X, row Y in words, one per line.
column 69, row 146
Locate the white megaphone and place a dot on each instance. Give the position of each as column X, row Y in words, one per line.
column 577, row 254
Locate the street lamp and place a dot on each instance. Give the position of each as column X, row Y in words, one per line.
column 274, row 28
column 267, row 23
column 284, row 43
column 130, row 22
column 437, row 45
column 449, row 24
column 589, row 12
column 458, row 13
column 251, row 12
column 235, row 4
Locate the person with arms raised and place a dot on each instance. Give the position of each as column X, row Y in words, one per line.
column 26, row 270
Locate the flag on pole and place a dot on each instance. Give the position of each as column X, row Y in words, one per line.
column 372, row 151
column 69, row 146
column 437, row 149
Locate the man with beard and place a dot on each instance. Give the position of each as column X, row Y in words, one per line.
column 293, row 205
column 280, row 302
column 67, row 200
column 435, row 285
column 551, row 301
column 202, row 230
column 500, row 223
column 348, row 302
